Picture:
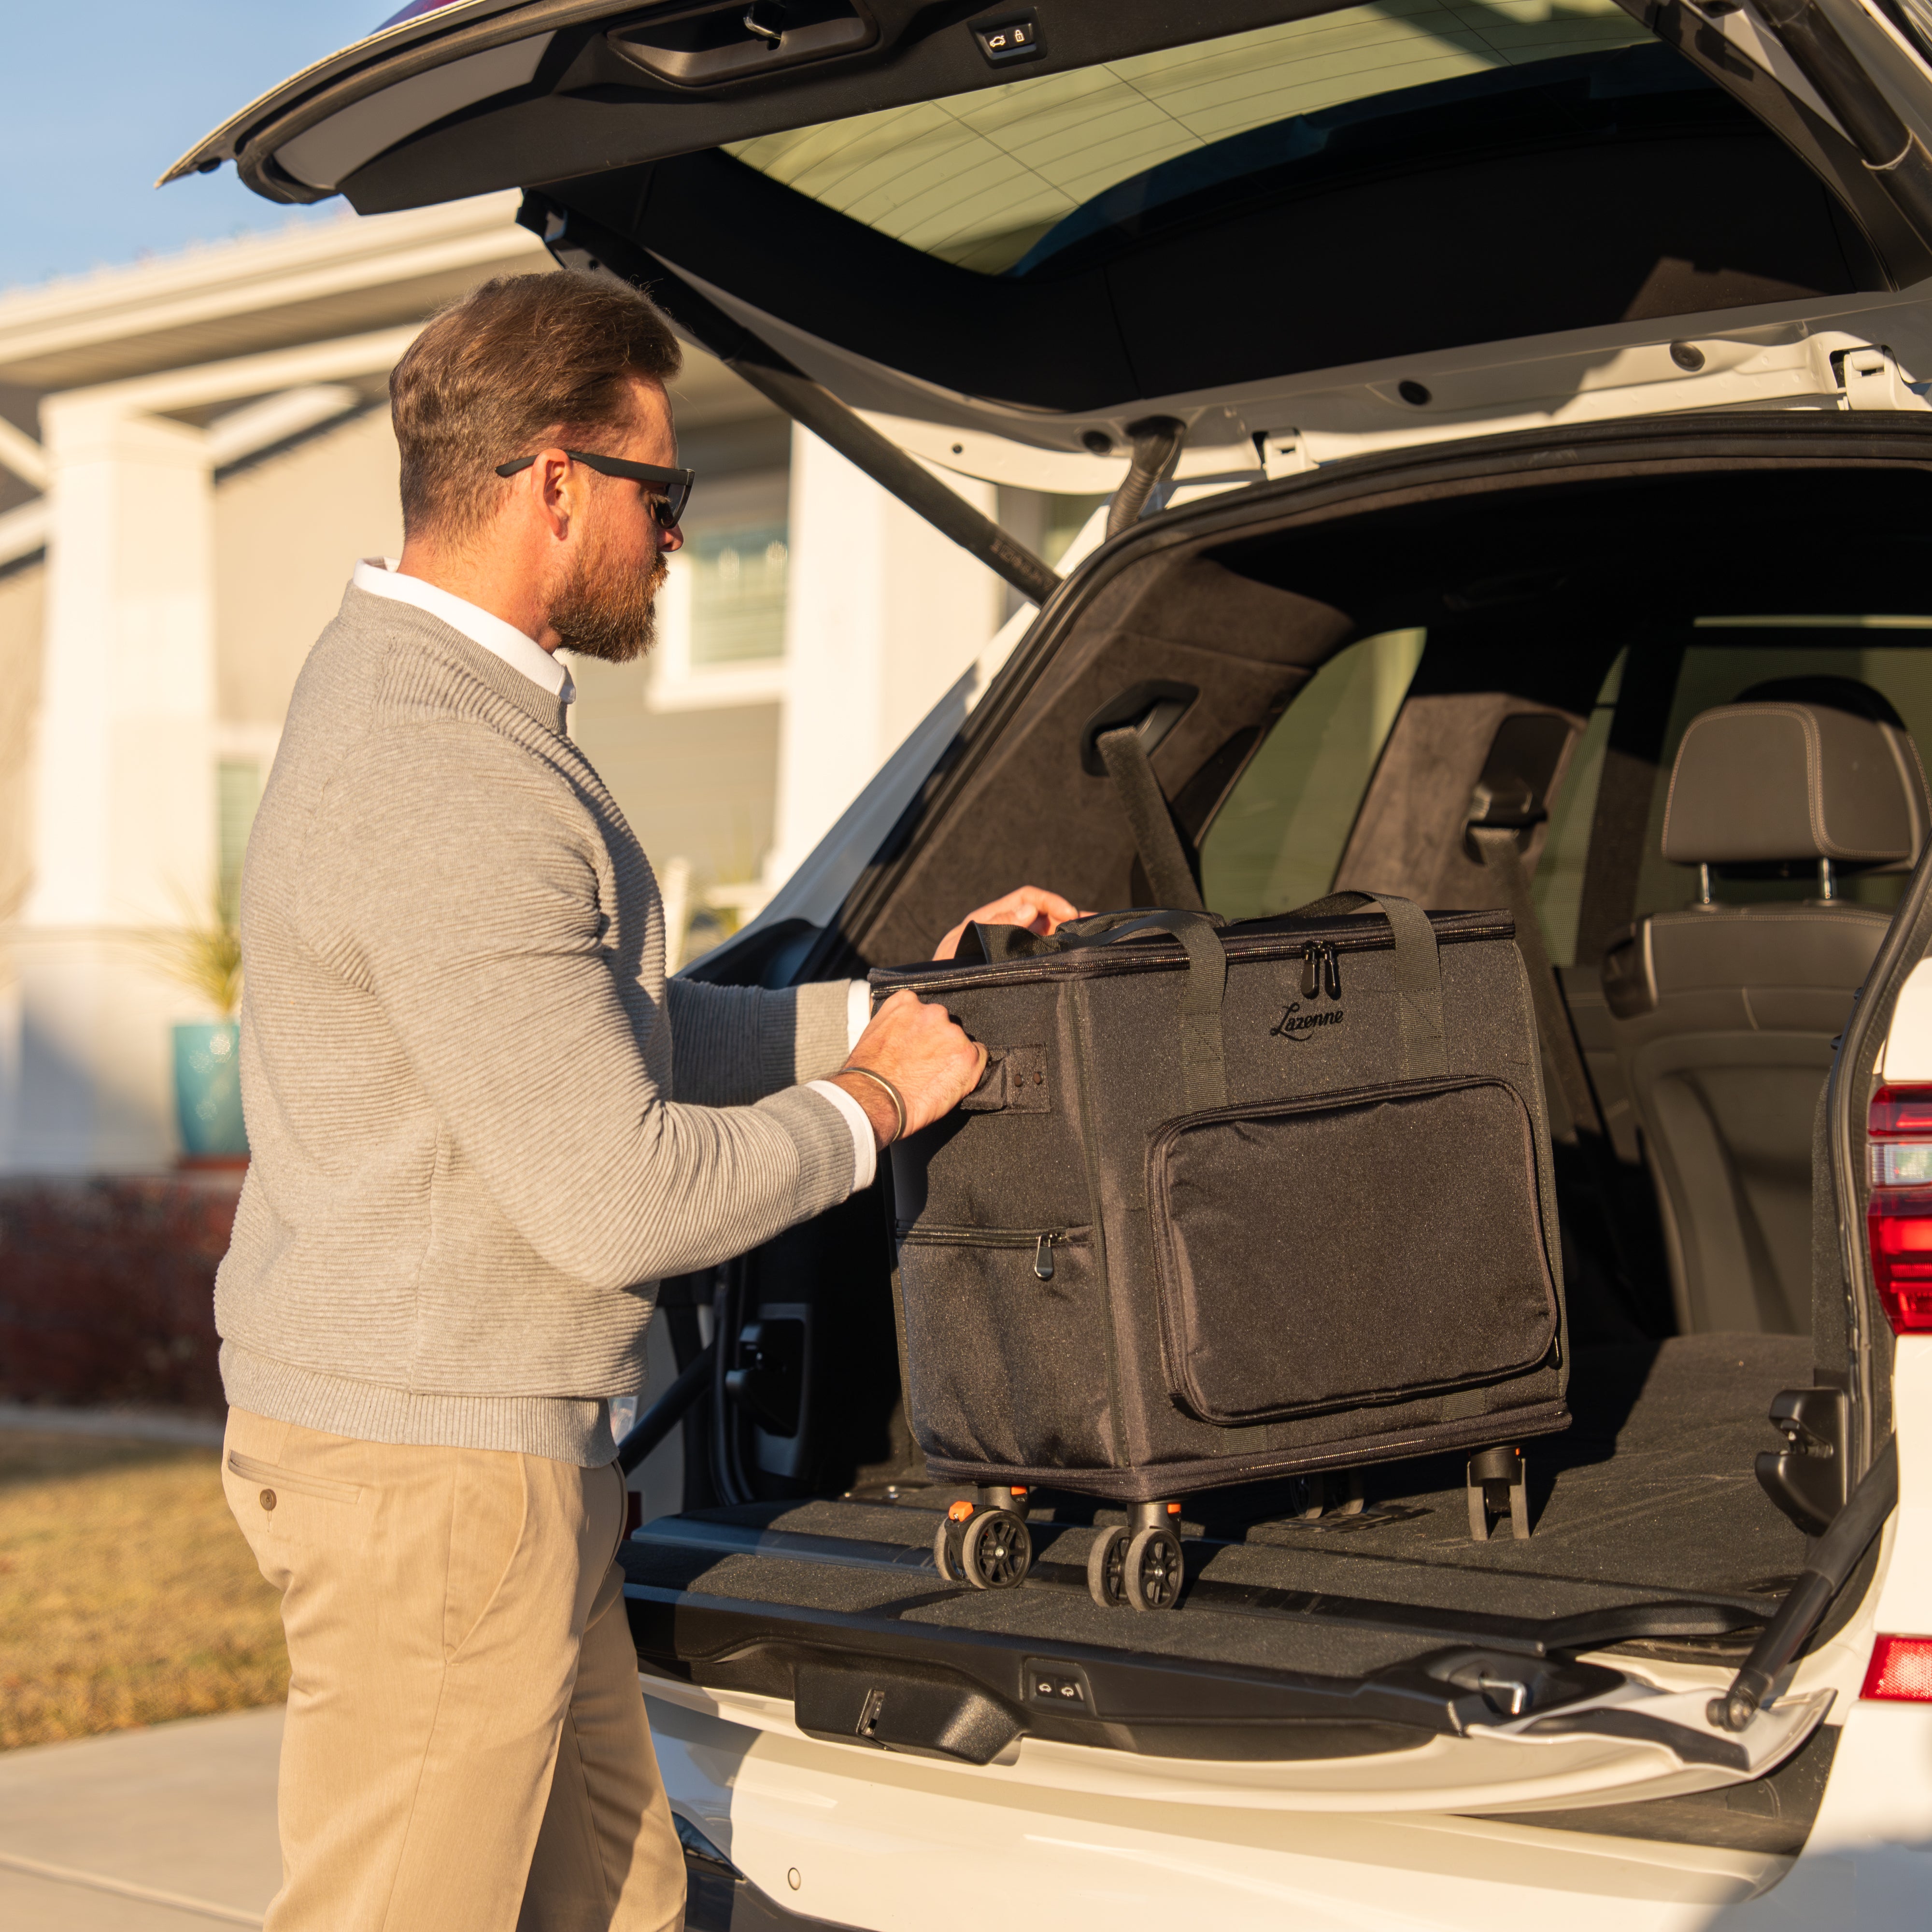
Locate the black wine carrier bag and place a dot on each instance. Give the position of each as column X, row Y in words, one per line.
column 1231, row 1203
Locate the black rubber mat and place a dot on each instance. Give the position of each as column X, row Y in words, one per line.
column 1650, row 1497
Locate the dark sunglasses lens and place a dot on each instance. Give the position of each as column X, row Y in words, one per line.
column 668, row 508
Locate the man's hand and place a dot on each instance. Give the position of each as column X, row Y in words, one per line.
column 1033, row 907
column 918, row 1048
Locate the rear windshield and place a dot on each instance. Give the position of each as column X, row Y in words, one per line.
column 1005, row 179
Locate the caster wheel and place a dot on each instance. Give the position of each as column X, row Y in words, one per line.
column 1106, row 1562
column 1151, row 1576
column 996, row 1552
column 942, row 1555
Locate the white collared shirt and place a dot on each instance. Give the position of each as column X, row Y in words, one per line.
column 379, row 577
column 865, row 1145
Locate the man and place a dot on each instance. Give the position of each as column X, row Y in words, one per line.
column 483, row 1126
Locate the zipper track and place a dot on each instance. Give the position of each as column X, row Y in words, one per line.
column 1042, row 1240
column 940, row 1235
column 1159, row 953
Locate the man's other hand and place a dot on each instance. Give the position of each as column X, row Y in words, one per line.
column 919, row 1049
column 1033, row 907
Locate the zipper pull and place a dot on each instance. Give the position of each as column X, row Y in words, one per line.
column 1043, row 1257
column 1334, row 974
column 1311, row 970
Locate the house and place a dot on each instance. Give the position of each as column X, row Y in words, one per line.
column 194, row 451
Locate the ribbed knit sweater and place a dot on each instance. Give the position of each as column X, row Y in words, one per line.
column 482, row 1125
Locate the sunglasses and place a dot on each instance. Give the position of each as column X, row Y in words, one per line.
column 674, row 485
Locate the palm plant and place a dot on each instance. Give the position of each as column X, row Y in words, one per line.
column 204, row 953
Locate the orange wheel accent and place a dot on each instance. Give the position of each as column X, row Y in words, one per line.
column 959, row 1512
column 1173, row 1509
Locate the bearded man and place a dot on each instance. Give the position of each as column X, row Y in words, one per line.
column 483, row 1126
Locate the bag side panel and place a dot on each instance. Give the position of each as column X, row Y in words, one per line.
column 1001, row 1367
column 1006, row 1368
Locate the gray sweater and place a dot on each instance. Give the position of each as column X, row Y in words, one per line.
column 474, row 1150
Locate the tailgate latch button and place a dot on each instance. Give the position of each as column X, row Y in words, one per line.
column 1016, row 39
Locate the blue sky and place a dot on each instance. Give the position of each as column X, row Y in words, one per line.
column 99, row 96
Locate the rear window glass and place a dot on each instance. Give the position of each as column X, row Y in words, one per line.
column 1274, row 845
column 994, row 180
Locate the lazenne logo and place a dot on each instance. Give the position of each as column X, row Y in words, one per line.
column 1297, row 1025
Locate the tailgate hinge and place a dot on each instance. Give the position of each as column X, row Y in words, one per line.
column 1870, row 379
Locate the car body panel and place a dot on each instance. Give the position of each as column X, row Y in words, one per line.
column 1786, row 356
column 1511, row 287
column 892, row 1846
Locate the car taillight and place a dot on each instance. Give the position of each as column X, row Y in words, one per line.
column 1901, row 1670
column 1898, row 1219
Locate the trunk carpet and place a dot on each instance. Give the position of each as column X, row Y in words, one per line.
column 1649, row 1496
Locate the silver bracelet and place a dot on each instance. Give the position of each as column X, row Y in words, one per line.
column 898, row 1105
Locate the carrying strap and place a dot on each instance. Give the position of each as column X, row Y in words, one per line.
column 1418, row 980
column 1502, row 858
column 1125, row 755
column 1418, row 975
column 1204, row 1071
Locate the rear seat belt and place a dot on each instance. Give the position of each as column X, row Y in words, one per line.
column 1502, row 859
column 1511, row 794
column 1162, row 857
column 1568, row 1080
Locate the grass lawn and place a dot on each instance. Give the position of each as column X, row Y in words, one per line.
column 127, row 1594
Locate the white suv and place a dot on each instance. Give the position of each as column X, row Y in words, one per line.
column 1486, row 392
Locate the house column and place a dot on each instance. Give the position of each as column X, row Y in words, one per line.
column 882, row 614
column 123, row 817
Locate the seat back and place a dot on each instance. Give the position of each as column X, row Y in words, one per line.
column 1725, row 1015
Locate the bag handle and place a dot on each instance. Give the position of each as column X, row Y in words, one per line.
column 1203, row 1072
column 1418, row 979
column 1418, row 975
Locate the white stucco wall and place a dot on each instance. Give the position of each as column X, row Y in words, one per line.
column 883, row 614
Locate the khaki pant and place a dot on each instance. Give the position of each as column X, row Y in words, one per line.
column 466, row 1747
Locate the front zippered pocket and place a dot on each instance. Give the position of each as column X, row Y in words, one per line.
column 1006, row 1335
column 1042, row 1240
column 1346, row 1250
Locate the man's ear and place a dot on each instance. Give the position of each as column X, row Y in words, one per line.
column 555, row 487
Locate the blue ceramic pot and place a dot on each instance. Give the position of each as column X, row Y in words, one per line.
column 208, row 1090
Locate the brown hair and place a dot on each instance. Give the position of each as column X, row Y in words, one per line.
column 523, row 362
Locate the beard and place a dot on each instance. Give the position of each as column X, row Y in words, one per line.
column 606, row 611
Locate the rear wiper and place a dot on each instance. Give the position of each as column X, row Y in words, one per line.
column 1833, row 1557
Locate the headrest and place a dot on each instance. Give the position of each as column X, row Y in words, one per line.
column 1780, row 781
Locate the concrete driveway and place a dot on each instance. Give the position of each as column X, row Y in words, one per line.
column 150, row 1831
